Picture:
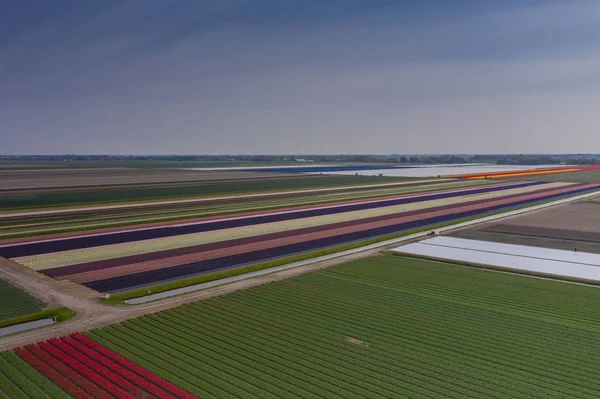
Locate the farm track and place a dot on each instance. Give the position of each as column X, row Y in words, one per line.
column 93, row 314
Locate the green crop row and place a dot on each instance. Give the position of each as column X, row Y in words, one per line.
column 502, row 296
column 435, row 329
column 19, row 380
column 386, row 326
column 380, row 328
column 15, row 302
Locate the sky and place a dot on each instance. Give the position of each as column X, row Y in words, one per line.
column 299, row 76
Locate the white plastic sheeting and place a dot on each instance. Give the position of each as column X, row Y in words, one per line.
column 259, row 168
column 413, row 170
column 443, row 170
column 541, row 260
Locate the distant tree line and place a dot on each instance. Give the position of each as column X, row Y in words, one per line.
column 500, row 159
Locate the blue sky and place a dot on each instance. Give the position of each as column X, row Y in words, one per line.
column 299, row 76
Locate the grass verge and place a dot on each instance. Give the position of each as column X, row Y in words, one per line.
column 61, row 314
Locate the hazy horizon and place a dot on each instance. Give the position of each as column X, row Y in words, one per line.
column 299, row 77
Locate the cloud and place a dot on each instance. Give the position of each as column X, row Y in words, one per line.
column 256, row 76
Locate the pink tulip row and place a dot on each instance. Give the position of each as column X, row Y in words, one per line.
column 86, row 369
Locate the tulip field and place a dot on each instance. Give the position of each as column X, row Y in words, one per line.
column 75, row 366
column 115, row 259
column 381, row 327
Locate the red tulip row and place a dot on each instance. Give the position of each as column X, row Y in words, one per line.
column 93, row 391
column 51, row 372
column 150, row 376
column 111, row 390
column 85, row 369
column 122, row 371
column 117, row 381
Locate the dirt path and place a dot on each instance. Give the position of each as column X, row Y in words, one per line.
column 91, row 313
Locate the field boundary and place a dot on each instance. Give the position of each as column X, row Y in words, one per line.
column 210, row 284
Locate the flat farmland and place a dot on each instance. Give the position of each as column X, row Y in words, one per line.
column 53, row 178
column 569, row 226
column 122, row 259
column 381, row 327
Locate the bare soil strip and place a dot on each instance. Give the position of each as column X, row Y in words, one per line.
column 542, row 232
column 29, row 179
column 579, row 216
column 551, row 243
column 568, row 226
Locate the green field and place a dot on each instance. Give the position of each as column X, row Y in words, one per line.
column 387, row 326
column 14, row 302
column 18, row 379
column 95, row 196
